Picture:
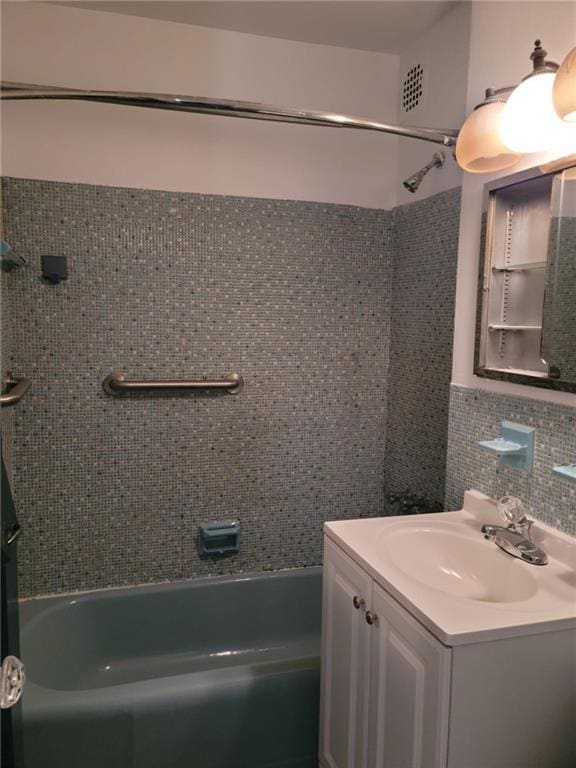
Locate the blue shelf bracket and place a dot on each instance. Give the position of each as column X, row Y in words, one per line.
column 567, row 472
column 514, row 447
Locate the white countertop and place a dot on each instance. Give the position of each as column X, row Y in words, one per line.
column 523, row 598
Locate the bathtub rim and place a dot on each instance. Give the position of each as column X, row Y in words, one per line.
column 158, row 586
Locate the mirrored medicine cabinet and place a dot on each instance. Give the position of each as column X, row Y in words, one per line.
column 526, row 326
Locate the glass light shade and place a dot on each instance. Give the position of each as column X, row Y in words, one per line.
column 564, row 91
column 479, row 148
column 529, row 120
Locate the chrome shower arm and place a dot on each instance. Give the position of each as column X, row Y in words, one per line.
column 229, row 108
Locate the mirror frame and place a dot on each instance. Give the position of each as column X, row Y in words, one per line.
column 485, row 264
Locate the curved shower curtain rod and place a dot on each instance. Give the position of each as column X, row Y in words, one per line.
column 229, row 108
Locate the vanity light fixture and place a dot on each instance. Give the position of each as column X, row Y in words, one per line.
column 564, row 91
column 529, row 120
column 480, row 148
column 513, row 121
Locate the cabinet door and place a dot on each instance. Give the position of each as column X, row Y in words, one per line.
column 345, row 660
column 409, row 690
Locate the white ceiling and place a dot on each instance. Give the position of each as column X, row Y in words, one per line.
column 370, row 26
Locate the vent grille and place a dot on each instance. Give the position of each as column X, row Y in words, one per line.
column 412, row 89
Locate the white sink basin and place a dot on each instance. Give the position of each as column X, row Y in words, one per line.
column 442, row 557
column 461, row 586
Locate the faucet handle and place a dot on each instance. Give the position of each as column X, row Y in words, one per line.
column 512, row 509
column 526, row 527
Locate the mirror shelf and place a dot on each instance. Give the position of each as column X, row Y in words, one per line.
column 526, row 324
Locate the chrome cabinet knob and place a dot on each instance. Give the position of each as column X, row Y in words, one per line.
column 358, row 603
column 371, row 618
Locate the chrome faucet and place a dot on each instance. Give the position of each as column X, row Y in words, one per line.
column 515, row 539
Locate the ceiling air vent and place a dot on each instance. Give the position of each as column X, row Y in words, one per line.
column 412, row 88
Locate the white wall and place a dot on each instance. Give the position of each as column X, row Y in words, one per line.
column 502, row 37
column 443, row 53
column 123, row 146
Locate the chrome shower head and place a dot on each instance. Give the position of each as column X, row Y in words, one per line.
column 413, row 182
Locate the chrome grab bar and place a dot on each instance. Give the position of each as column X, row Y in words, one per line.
column 116, row 383
column 15, row 389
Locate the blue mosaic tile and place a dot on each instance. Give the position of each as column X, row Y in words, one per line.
column 295, row 296
column 422, row 310
column 476, row 415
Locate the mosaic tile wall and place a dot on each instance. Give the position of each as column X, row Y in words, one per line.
column 294, row 296
column 425, row 258
column 476, row 415
column 560, row 305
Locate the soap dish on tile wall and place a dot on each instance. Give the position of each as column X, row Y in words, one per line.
column 567, row 472
column 514, row 447
column 219, row 538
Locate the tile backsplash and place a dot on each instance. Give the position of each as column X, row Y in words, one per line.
column 294, row 296
column 476, row 415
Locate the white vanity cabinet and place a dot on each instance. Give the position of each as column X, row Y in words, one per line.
column 409, row 686
column 345, row 660
column 394, row 696
column 385, row 679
